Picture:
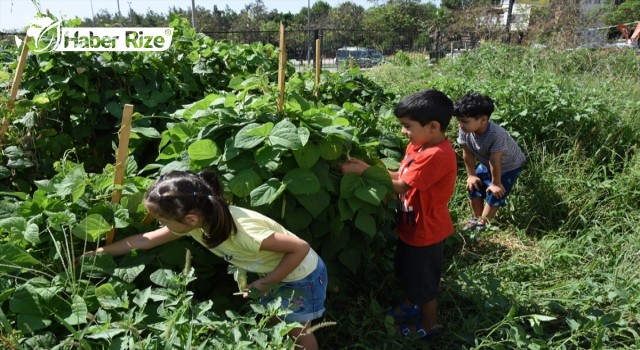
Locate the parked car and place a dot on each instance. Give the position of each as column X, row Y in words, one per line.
column 361, row 56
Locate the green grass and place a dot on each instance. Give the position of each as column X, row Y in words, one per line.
column 560, row 266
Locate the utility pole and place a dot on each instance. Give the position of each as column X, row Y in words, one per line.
column 193, row 14
column 508, row 25
column 119, row 12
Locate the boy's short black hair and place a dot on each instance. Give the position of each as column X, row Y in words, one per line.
column 426, row 106
column 474, row 105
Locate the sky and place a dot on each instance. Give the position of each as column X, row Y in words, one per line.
column 17, row 14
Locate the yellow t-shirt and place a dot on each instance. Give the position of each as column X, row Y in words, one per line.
column 242, row 249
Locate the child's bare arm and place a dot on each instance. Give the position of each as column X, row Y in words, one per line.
column 142, row 241
column 495, row 163
column 294, row 249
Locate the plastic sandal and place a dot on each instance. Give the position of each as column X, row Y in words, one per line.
column 408, row 311
column 430, row 334
column 421, row 332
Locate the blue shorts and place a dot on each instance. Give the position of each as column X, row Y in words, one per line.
column 305, row 297
column 508, row 180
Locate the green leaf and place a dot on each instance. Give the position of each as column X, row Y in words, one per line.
column 350, row 257
column 377, row 175
column 244, row 182
column 203, row 150
column 129, row 273
column 330, row 149
column 92, row 228
column 147, row 132
column 301, row 181
column 108, row 298
column 285, row 136
column 252, row 135
column 315, row 203
column 79, row 311
column 372, row 194
column 121, row 218
column 366, row 223
column 40, row 99
column 307, row 156
column 14, row 257
column 348, row 185
column 297, row 219
column 267, row 192
column 32, row 233
column 268, row 157
column 165, row 278
column 74, row 184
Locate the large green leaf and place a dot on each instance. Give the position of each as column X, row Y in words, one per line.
column 92, row 228
column 330, row 149
column 15, row 257
column 297, row 219
column 366, row 223
column 252, row 135
column 372, row 194
column 244, row 182
column 203, row 150
column 315, row 203
column 79, row 311
column 74, row 184
column 268, row 157
column 285, row 136
column 377, row 175
column 307, row 156
column 108, row 298
column 350, row 257
column 267, row 192
column 348, row 185
column 301, row 181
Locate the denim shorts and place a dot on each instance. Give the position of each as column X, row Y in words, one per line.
column 304, row 297
column 508, row 180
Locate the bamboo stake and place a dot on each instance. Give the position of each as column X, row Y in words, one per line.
column 121, row 161
column 17, row 79
column 281, row 68
column 318, row 61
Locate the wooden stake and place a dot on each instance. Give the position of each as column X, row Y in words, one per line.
column 121, row 160
column 17, row 79
column 281, row 68
column 318, row 61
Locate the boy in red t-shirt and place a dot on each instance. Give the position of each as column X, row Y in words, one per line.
column 425, row 183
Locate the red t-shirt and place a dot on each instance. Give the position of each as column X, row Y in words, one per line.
column 423, row 213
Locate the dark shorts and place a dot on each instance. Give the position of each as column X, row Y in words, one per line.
column 420, row 269
column 304, row 297
column 508, row 180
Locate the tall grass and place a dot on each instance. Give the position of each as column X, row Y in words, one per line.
column 560, row 268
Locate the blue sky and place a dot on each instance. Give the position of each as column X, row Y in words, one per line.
column 17, row 14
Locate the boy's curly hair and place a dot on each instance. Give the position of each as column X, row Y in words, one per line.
column 474, row 105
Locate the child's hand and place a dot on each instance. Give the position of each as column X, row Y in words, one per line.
column 259, row 287
column 473, row 183
column 353, row 165
column 497, row 190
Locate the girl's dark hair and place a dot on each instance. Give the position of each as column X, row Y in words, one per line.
column 178, row 193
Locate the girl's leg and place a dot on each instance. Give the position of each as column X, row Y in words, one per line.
column 304, row 340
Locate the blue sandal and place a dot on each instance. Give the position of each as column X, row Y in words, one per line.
column 408, row 311
column 421, row 332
